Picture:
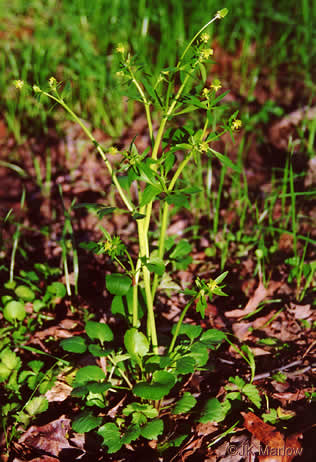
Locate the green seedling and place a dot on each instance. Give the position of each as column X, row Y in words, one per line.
column 22, row 391
column 68, row 246
column 17, row 296
column 16, row 239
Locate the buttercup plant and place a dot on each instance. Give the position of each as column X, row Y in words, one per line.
column 140, row 366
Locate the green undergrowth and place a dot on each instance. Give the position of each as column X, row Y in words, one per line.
column 75, row 40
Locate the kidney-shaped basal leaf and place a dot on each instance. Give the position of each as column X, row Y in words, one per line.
column 136, row 343
column 200, row 353
column 14, row 311
column 86, row 422
column 184, row 404
column 75, row 344
column 25, row 293
column 152, row 429
column 153, row 391
column 88, row 374
column 161, row 385
column 185, row 365
column 99, row 331
column 111, row 437
column 117, row 284
column 56, row 290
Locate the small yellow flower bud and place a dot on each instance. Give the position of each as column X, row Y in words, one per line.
column 212, row 285
column 52, row 82
column 36, row 89
column 18, row 84
column 206, row 92
column 221, row 13
column 203, row 147
column 121, row 48
column 236, row 124
column 205, row 37
column 113, row 150
column 216, row 85
column 206, row 53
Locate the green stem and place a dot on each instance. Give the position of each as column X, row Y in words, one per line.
column 122, row 373
column 145, row 101
column 194, row 38
column 144, row 252
column 165, row 216
column 179, row 323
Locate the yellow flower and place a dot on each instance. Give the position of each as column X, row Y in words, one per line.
column 212, row 285
column 216, row 85
column 206, row 92
column 206, row 53
column 121, row 48
column 113, row 150
column 52, row 82
column 36, row 89
column 18, row 84
column 203, row 147
column 205, row 37
column 236, row 124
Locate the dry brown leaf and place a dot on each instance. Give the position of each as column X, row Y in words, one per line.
column 301, row 311
column 277, row 449
column 280, row 131
column 293, row 443
column 50, row 438
column 310, row 178
column 288, row 396
column 260, row 294
column 241, row 330
column 59, row 392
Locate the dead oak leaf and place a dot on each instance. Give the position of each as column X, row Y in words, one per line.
column 50, row 438
column 277, row 449
column 260, row 294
